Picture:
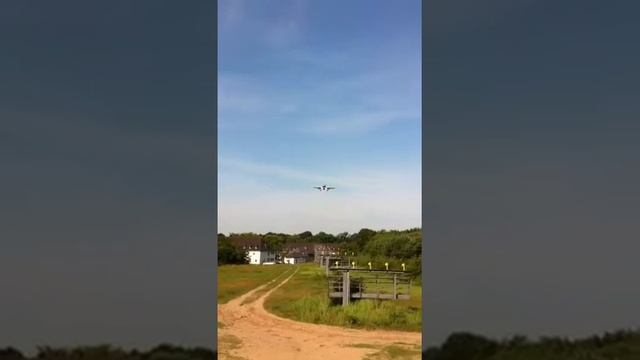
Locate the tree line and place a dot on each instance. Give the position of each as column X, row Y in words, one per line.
column 619, row 345
column 107, row 352
column 393, row 246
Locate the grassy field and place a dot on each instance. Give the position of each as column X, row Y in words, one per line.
column 304, row 298
column 269, row 286
column 236, row 280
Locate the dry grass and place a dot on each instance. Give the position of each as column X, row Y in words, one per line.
column 396, row 352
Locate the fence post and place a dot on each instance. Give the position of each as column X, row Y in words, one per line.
column 346, row 288
column 395, row 288
column 326, row 266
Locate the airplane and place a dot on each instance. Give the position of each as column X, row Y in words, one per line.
column 324, row 188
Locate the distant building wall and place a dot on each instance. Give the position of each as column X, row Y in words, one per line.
column 257, row 257
column 254, row 257
column 295, row 259
column 324, row 250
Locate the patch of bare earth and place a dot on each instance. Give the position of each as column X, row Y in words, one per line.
column 260, row 335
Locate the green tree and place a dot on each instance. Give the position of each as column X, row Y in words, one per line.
column 463, row 345
column 274, row 242
column 323, row 237
column 229, row 254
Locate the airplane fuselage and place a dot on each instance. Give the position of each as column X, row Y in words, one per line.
column 324, row 188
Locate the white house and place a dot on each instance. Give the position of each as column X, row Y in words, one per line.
column 294, row 259
column 261, row 256
column 256, row 250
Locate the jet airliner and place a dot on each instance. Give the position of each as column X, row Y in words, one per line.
column 324, row 188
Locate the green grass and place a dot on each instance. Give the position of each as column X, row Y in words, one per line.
column 395, row 352
column 270, row 285
column 236, row 280
column 304, row 298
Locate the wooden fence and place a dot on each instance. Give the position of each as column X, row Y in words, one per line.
column 353, row 284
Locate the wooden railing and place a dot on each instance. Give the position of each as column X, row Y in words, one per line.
column 353, row 284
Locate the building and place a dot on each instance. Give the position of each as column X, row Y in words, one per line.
column 295, row 259
column 295, row 253
column 256, row 249
column 321, row 251
column 258, row 257
column 292, row 253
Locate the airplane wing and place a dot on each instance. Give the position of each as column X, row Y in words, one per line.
column 317, row 187
column 330, row 188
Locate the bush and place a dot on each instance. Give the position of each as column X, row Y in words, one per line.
column 10, row 353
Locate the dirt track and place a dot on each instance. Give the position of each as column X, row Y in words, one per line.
column 250, row 332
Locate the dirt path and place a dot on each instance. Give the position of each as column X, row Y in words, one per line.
column 250, row 332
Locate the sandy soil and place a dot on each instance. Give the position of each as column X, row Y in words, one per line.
column 250, row 332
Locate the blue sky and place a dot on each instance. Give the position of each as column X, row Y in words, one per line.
column 313, row 92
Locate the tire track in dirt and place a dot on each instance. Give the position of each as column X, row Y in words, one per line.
column 250, row 332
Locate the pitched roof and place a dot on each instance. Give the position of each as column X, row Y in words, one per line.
column 247, row 242
column 298, row 248
column 326, row 246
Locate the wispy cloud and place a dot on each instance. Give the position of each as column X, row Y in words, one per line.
column 361, row 179
column 241, row 94
column 232, row 12
column 254, row 22
column 288, row 28
column 358, row 122
column 359, row 103
column 287, row 211
column 283, row 33
column 301, row 105
column 254, row 197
